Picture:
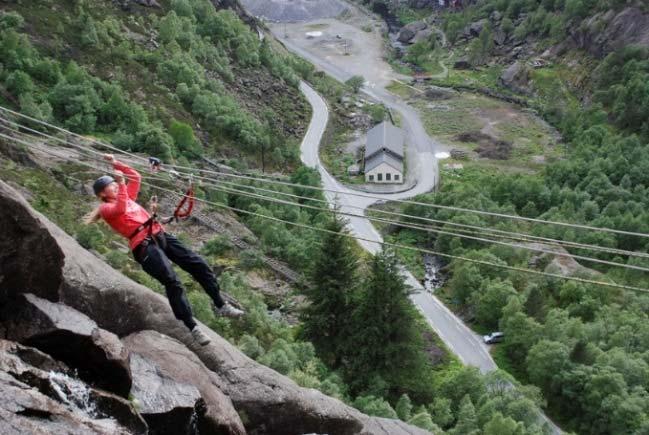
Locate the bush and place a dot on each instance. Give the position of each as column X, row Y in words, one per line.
column 90, row 237
column 356, row 83
column 217, row 246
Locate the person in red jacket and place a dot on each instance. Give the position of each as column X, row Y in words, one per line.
column 154, row 248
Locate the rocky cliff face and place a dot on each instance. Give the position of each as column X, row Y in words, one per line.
column 609, row 31
column 72, row 313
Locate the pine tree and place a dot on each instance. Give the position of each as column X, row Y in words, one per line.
column 404, row 408
column 467, row 422
column 385, row 341
column 331, row 297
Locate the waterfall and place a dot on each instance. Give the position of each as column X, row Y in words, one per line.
column 74, row 393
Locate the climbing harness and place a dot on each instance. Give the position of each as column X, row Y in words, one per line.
column 186, row 205
column 183, row 211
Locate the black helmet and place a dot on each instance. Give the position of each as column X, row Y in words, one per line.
column 101, row 183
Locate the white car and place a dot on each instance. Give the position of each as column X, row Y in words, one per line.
column 494, row 337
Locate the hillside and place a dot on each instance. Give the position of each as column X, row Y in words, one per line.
column 174, row 79
column 581, row 66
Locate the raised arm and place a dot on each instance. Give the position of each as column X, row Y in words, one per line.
column 134, row 177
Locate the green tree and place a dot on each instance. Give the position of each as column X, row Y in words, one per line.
column 500, row 425
column 372, row 405
column 334, row 276
column 545, row 360
column 404, row 407
column 356, row 83
column 467, row 422
column 184, row 139
column 490, row 301
column 440, row 411
column 385, row 339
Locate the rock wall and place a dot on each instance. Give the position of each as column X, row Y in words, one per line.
column 229, row 383
column 606, row 32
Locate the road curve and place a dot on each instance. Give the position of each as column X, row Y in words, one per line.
column 457, row 336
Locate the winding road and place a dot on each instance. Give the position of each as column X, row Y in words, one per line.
column 423, row 165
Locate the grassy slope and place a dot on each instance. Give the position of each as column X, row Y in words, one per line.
column 53, row 30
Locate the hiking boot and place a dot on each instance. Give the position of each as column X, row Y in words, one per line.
column 200, row 337
column 228, row 310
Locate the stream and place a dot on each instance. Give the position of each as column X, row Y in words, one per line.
column 394, row 26
column 434, row 278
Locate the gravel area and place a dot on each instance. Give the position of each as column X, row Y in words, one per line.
column 294, row 10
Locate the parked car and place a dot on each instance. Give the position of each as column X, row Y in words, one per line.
column 494, row 337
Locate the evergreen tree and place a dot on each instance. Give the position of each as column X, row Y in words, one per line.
column 404, row 408
column 467, row 422
column 331, row 296
column 385, row 341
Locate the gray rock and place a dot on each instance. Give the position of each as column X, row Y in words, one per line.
column 499, row 37
column 496, row 16
column 462, row 63
column 51, row 386
column 476, row 28
column 171, row 382
column 422, row 35
column 71, row 337
column 33, row 250
column 437, row 93
column 606, row 32
column 271, row 403
column 408, row 32
column 515, row 77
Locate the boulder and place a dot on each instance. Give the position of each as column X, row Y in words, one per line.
column 24, row 410
column 437, row 93
column 422, row 35
column 171, row 383
column 499, row 37
column 515, row 77
column 462, row 63
column 408, row 32
column 71, row 337
column 50, row 392
column 271, row 403
column 31, row 249
column 476, row 28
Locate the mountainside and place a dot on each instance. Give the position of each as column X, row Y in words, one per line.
column 172, row 78
column 121, row 337
column 583, row 67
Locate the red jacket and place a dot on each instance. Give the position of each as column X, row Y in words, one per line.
column 125, row 215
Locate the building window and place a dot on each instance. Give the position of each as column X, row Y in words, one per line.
column 371, row 177
column 388, row 177
column 396, row 177
column 379, row 177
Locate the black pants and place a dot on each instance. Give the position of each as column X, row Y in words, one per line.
column 156, row 259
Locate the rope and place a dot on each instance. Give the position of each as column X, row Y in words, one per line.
column 353, row 193
column 383, row 243
column 492, row 232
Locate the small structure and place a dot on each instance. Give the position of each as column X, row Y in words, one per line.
column 384, row 154
column 354, row 170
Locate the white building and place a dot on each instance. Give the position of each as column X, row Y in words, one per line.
column 384, row 154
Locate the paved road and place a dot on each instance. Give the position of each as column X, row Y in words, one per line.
column 457, row 336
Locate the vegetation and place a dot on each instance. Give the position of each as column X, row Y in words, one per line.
column 571, row 340
column 191, row 67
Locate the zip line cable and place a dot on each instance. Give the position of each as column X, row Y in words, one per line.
column 349, row 192
column 481, row 230
column 345, row 234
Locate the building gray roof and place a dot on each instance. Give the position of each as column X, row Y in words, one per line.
column 387, row 137
column 383, row 157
